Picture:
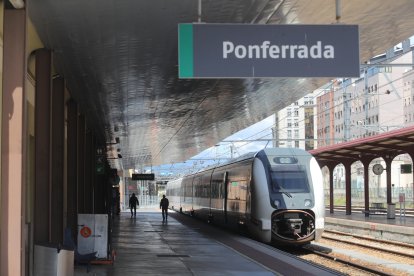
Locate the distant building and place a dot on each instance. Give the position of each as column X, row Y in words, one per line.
column 408, row 94
column 295, row 125
column 379, row 101
column 325, row 107
column 382, row 99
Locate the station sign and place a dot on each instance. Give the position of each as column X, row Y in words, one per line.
column 260, row 51
column 143, row 176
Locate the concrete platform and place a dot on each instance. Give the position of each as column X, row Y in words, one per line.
column 145, row 245
column 379, row 226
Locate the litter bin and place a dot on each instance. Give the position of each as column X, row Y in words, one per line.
column 391, row 211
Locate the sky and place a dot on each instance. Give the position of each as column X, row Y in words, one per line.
column 241, row 144
column 222, row 151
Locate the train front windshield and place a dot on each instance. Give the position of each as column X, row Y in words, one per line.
column 289, row 181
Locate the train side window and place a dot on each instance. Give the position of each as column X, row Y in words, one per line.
column 237, row 189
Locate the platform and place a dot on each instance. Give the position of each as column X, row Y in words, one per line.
column 398, row 229
column 186, row 246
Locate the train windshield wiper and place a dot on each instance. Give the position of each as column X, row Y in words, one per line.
column 285, row 193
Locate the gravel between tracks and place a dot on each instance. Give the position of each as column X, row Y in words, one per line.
column 389, row 263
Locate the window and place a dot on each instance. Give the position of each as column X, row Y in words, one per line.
column 289, row 181
column 296, row 112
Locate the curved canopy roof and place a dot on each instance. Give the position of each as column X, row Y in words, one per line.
column 119, row 59
column 385, row 145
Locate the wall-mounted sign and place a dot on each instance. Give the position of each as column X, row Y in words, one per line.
column 250, row 51
column 143, row 176
column 406, row 168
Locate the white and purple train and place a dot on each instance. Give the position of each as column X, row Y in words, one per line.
column 276, row 193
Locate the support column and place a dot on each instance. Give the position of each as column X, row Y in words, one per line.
column 81, row 164
column 72, row 167
column 42, row 210
column 348, row 209
column 411, row 153
column 331, row 167
column 89, row 171
column 99, row 191
column 388, row 161
column 366, row 185
column 331, row 191
column 58, row 132
column 13, row 144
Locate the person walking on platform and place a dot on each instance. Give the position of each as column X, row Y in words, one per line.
column 164, row 207
column 133, row 202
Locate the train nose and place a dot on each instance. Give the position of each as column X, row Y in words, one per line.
column 293, row 226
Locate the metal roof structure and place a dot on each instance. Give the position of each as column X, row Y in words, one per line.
column 119, row 62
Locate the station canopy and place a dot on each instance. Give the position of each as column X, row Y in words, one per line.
column 120, row 63
column 388, row 144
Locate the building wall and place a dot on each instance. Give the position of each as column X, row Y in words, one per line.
column 408, row 95
column 325, row 118
column 294, row 125
column 381, row 100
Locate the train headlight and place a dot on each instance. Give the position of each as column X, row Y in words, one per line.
column 308, row 202
column 277, row 203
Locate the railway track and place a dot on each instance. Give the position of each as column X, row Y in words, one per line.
column 349, row 250
column 408, row 212
column 374, row 244
column 323, row 256
column 345, row 261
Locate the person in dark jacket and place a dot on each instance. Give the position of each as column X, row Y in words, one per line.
column 164, row 207
column 133, row 202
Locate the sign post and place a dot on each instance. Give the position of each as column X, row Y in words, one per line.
column 402, row 204
column 259, row 51
column 143, row 176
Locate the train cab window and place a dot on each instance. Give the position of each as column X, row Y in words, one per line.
column 289, row 181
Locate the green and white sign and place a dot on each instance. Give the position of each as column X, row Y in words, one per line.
column 249, row 51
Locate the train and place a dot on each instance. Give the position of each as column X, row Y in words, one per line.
column 275, row 194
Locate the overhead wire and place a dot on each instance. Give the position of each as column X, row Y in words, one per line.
column 330, row 108
column 314, row 98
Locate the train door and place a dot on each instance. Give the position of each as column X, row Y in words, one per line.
column 196, row 194
column 211, row 195
column 225, row 192
column 188, row 195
